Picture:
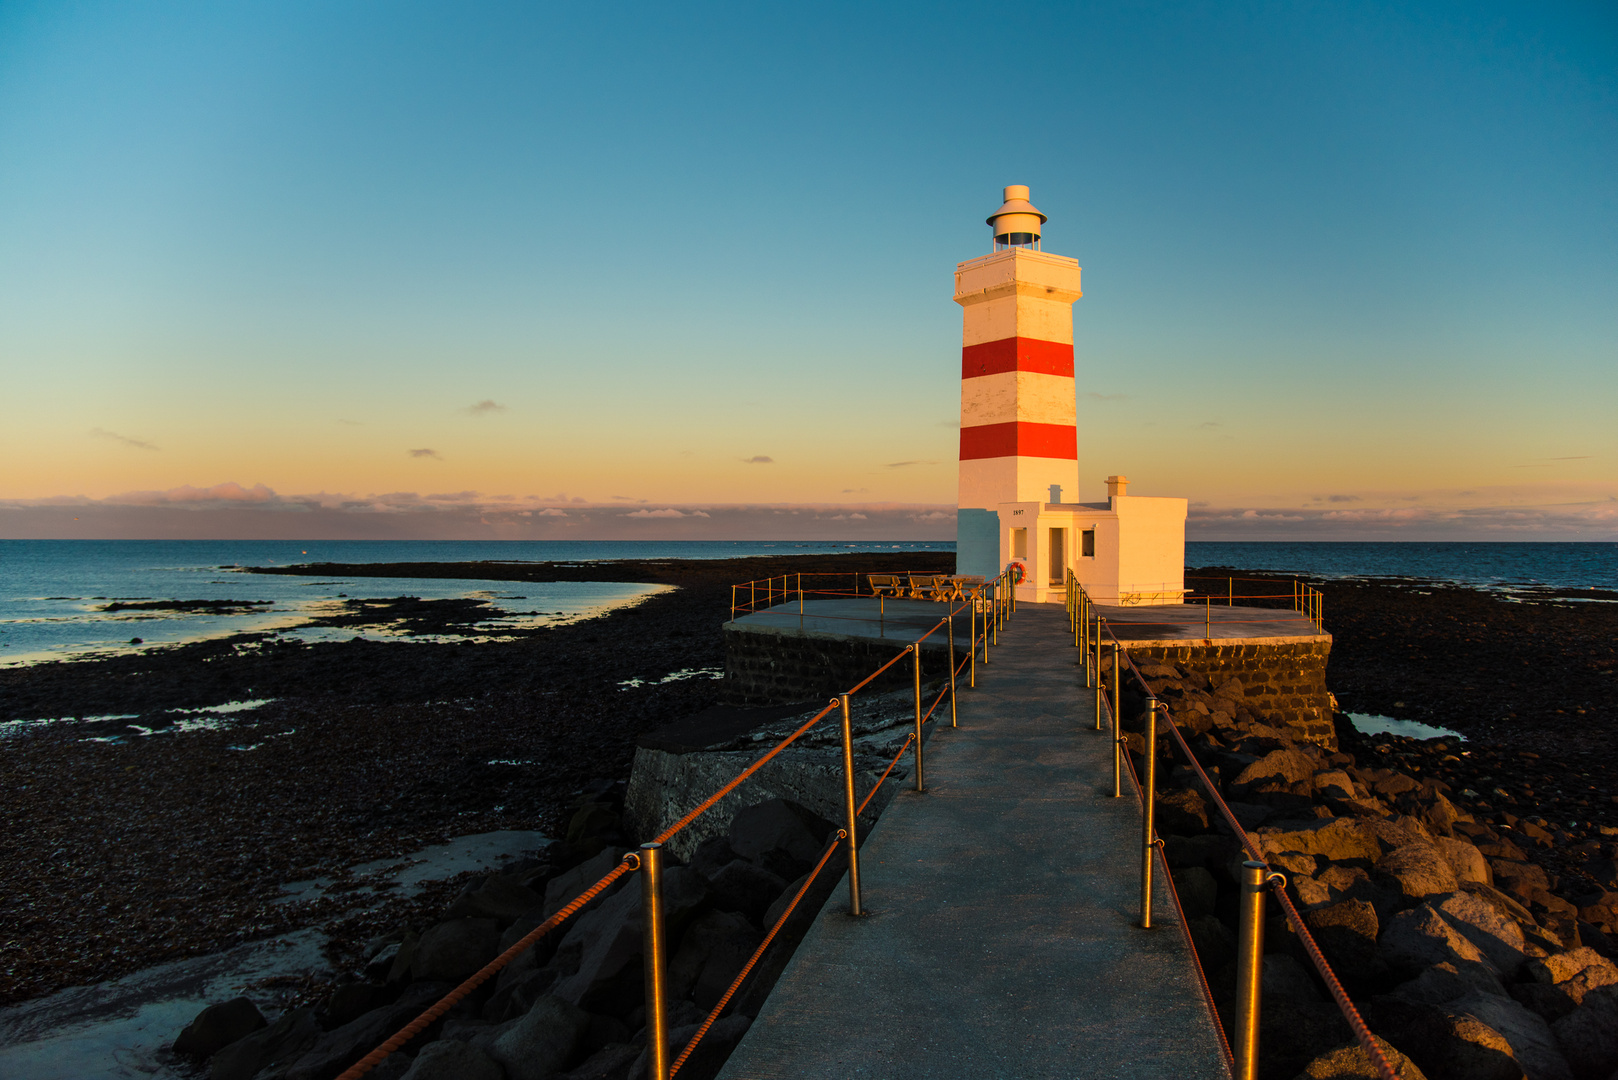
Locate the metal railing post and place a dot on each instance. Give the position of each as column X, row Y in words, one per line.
column 1093, row 645
column 654, row 949
column 733, row 603
column 972, row 646
column 994, row 622
column 915, row 655
column 1101, row 687
column 850, row 814
column 1249, row 970
column 1148, row 806
column 1117, row 735
column 800, row 594
column 953, row 720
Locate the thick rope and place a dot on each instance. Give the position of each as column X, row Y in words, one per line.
column 905, row 746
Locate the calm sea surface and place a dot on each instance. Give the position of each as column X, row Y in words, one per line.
column 1558, row 566
column 52, row 592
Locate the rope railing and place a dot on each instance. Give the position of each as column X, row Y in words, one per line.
column 990, row 605
column 1304, row 598
column 1257, row 876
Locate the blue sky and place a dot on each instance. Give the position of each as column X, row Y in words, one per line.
column 1349, row 270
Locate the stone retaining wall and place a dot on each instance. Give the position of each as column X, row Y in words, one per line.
column 767, row 666
column 1282, row 683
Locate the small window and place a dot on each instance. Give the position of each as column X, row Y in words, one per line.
column 1019, row 543
column 1087, row 542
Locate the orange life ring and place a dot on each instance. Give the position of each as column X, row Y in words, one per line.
column 1017, row 571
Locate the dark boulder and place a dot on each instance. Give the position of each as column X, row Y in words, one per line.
column 779, row 835
column 339, row 1048
column 745, row 888
column 541, row 1042
column 711, row 954
column 217, row 1026
column 1182, row 811
column 282, row 1041
column 454, row 950
column 498, row 897
column 1347, row 933
column 1196, row 889
column 449, row 1059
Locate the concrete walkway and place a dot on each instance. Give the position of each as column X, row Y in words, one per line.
column 1002, row 937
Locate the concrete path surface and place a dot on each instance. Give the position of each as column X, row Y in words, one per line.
column 1192, row 624
column 1002, row 938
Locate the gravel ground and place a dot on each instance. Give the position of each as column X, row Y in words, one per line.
column 140, row 849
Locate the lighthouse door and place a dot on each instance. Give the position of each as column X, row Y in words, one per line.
column 1057, row 562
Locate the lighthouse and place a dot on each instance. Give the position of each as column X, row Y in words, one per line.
column 1018, row 504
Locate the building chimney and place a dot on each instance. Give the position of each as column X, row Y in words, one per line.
column 1116, row 485
column 1017, row 222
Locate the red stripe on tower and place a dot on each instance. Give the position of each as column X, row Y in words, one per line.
column 1017, row 354
column 1020, row 439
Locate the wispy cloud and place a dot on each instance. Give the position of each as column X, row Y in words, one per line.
column 425, row 452
column 668, row 513
column 906, row 464
column 484, row 408
column 350, row 423
column 758, row 459
column 1337, row 498
column 138, row 444
column 849, row 517
column 549, row 511
column 186, row 495
column 855, row 491
column 933, row 517
column 1574, row 457
column 1210, row 424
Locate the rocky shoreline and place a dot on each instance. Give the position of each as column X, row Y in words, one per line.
column 389, row 746
column 1460, row 951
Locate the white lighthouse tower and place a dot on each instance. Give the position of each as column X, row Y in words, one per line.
column 1019, row 437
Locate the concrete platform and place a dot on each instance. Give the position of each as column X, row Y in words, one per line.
column 1002, row 939
column 1196, row 624
column 863, row 617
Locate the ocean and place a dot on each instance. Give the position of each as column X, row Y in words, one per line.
column 1504, row 566
column 53, row 593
